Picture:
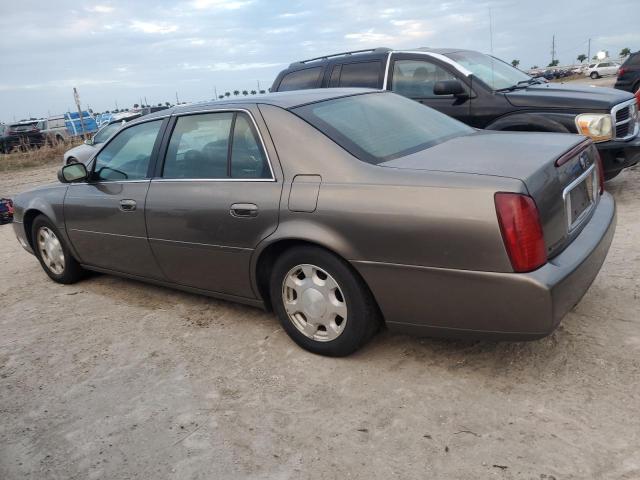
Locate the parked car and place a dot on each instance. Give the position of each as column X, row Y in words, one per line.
column 629, row 75
column 6, row 210
column 83, row 153
column 483, row 92
column 54, row 129
column 20, row 135
column 602, row 69
column 338, row 209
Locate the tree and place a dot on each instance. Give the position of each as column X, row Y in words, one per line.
column 135, row 105
column 625, row 52
column 253, row 92
column 582, row 57
column 554, row 63
column 262, row 91
column 160, row 104
column 535, row 67
column 227, row 94
column 220, row 97
column 167, row 104
column 245, row 93
column 236, row 92
column 515, row 63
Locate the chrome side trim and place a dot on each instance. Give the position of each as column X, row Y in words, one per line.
column 442, row 58
column 385, row 82
column 166, row 180
column 566, row 197
column 633, row 117
column 107, row 233
column 200, row 245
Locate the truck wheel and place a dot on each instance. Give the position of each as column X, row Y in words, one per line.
column 322, row 304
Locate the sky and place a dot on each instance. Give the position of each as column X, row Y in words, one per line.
column 118, row 53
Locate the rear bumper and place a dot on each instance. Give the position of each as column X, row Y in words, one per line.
column 617, row 155
column 462, row 303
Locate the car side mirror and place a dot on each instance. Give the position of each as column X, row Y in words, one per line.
column 88, row 141
column 74, row 172
column 449, row 87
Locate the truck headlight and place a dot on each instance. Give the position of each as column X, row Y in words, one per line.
column 596, row 126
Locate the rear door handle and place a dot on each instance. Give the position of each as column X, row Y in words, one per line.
column 244, row 210
column 127, row 205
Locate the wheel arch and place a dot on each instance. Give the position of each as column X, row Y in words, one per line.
column 525, row 121
column 270, row 249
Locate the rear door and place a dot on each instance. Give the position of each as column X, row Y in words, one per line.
column 415, row 76
column 104, row 217
column 214, row 199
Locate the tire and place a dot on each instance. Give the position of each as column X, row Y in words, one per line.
column 594, row 75
column 48, row 245
column 343, row 305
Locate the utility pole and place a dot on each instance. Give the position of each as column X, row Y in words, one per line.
column 258, row 82
column 553, row 49
column 177, row 101
column 589, row 52
column 215, row 92
column 76, row 97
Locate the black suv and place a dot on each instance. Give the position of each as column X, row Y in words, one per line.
column 629, row 74
column 483, row 92
column 21, row 135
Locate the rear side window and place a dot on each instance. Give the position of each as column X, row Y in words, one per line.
column 362, row 74
column 215, row 146
column 379, row 127
column 633, row 60
column 301, row 79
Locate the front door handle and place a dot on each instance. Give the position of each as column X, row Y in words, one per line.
column 244, row 210
column 127, row 205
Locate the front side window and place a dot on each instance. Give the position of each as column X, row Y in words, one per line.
column 301, row 79
column 379, row 127
column 498, row 75
column 215, row 146
column 416, row 78
column 127, row 156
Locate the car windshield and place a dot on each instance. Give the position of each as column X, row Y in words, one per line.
column 105, row 132
column 23, row 127
column 497, row 74
column 378, row 127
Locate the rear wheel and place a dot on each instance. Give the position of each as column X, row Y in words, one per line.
column 321, row 302
column 54, row 256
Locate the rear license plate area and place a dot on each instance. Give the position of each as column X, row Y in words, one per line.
column 580, row 197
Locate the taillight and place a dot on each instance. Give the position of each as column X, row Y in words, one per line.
column 521, row 231
column 621, row 71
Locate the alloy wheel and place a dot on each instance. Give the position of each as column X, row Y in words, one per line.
column 51, row 250
column 314, row 302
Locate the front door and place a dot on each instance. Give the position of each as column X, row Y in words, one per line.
column 415, row 78
column 215, row 199
column 104, row 217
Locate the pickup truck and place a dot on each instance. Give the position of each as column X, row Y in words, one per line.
column 483, row 92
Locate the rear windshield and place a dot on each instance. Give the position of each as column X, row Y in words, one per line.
column 378, row 127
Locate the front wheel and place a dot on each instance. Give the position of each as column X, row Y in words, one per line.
column 322, row 304
column 594, row 75
column 54, row 256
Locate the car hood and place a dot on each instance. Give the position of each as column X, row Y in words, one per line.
column 559, row 95
column 502, row 154
column 82, row 152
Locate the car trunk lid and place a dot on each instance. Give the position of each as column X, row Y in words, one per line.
column 559, row 171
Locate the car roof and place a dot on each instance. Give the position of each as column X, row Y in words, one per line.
column 286, row 100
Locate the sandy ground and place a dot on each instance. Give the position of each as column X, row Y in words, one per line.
column 114, row 379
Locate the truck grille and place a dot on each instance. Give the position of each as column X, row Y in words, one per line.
column 625, row 120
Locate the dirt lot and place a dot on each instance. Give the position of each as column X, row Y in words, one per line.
column 115, row 379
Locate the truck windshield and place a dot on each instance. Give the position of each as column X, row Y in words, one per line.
column 378, row 127
column 497, row 74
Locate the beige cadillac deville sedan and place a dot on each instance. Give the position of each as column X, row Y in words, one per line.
column 341, row 210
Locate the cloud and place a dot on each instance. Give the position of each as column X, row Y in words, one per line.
column 150, row 27
column 99, row 9
column 221, row 4
column 229, row 66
